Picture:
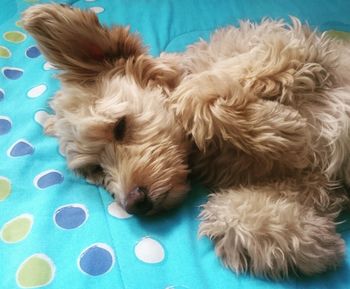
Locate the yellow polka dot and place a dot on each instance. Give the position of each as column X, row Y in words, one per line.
column 36, row 271
column 5, row 188
column 14, row 36
column 19, row 23
column 339, row 34
column 17, row 229
column 4, row 52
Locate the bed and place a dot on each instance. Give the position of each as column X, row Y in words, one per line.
column 58, row 231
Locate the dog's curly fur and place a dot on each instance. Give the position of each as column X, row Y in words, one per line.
column 260, row 114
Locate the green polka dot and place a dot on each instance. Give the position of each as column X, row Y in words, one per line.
column 5, row 188
column 4, row 52
column 36, row 271
column 14, row 36
column 19, row 23
column 17, row 229
column 339, row 34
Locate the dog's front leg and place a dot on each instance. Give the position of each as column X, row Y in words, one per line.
column 215, row 109
column 260, row 231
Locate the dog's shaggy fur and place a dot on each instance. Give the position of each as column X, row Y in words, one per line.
column 260, row 114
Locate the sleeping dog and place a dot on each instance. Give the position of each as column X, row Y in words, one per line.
column 259, row 114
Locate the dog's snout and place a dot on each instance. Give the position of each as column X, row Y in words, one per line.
column 137, row 202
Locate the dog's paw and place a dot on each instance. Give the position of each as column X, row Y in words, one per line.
column 270, row 237
column 217, row 109
column 49, row 125
column 199, row 102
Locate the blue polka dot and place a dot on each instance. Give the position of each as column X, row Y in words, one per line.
column 33, row 52
column 2, row 94
column 70, row 216
column 48, row 179
column 5, row 125
column 21, row 148
column 96, row 260
column 12, row 73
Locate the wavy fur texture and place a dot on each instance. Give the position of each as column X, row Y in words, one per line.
column 260, row 114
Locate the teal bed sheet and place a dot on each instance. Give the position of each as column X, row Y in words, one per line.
column 56, row 230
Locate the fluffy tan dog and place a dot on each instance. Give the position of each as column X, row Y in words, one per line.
column 260, row 114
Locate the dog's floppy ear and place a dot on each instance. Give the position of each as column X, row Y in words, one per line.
column 75, row 42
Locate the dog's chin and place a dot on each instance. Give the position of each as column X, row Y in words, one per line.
column 170, row 201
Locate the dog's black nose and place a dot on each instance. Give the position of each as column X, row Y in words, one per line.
column 137, row 202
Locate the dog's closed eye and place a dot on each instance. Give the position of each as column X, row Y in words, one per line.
column 93, row 173
column 96, row 169
column 119, row 129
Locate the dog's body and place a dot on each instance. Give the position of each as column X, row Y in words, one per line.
column 260, row 114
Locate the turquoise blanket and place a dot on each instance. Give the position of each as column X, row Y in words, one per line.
column 56, row 230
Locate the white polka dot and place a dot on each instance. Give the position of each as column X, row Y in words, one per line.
column 48, row 66
column 117, row 211
column 149, row 250
column 90, row 0
column 97, row 9
column 37, row 91
column 41, row 116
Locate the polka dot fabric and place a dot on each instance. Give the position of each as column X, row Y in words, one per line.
column 55, row 228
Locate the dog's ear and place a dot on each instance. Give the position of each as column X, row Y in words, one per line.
column 75, row 42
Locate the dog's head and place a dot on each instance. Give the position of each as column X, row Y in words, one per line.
column 112, row 117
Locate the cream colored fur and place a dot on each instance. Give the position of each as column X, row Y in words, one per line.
column 260, row 114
